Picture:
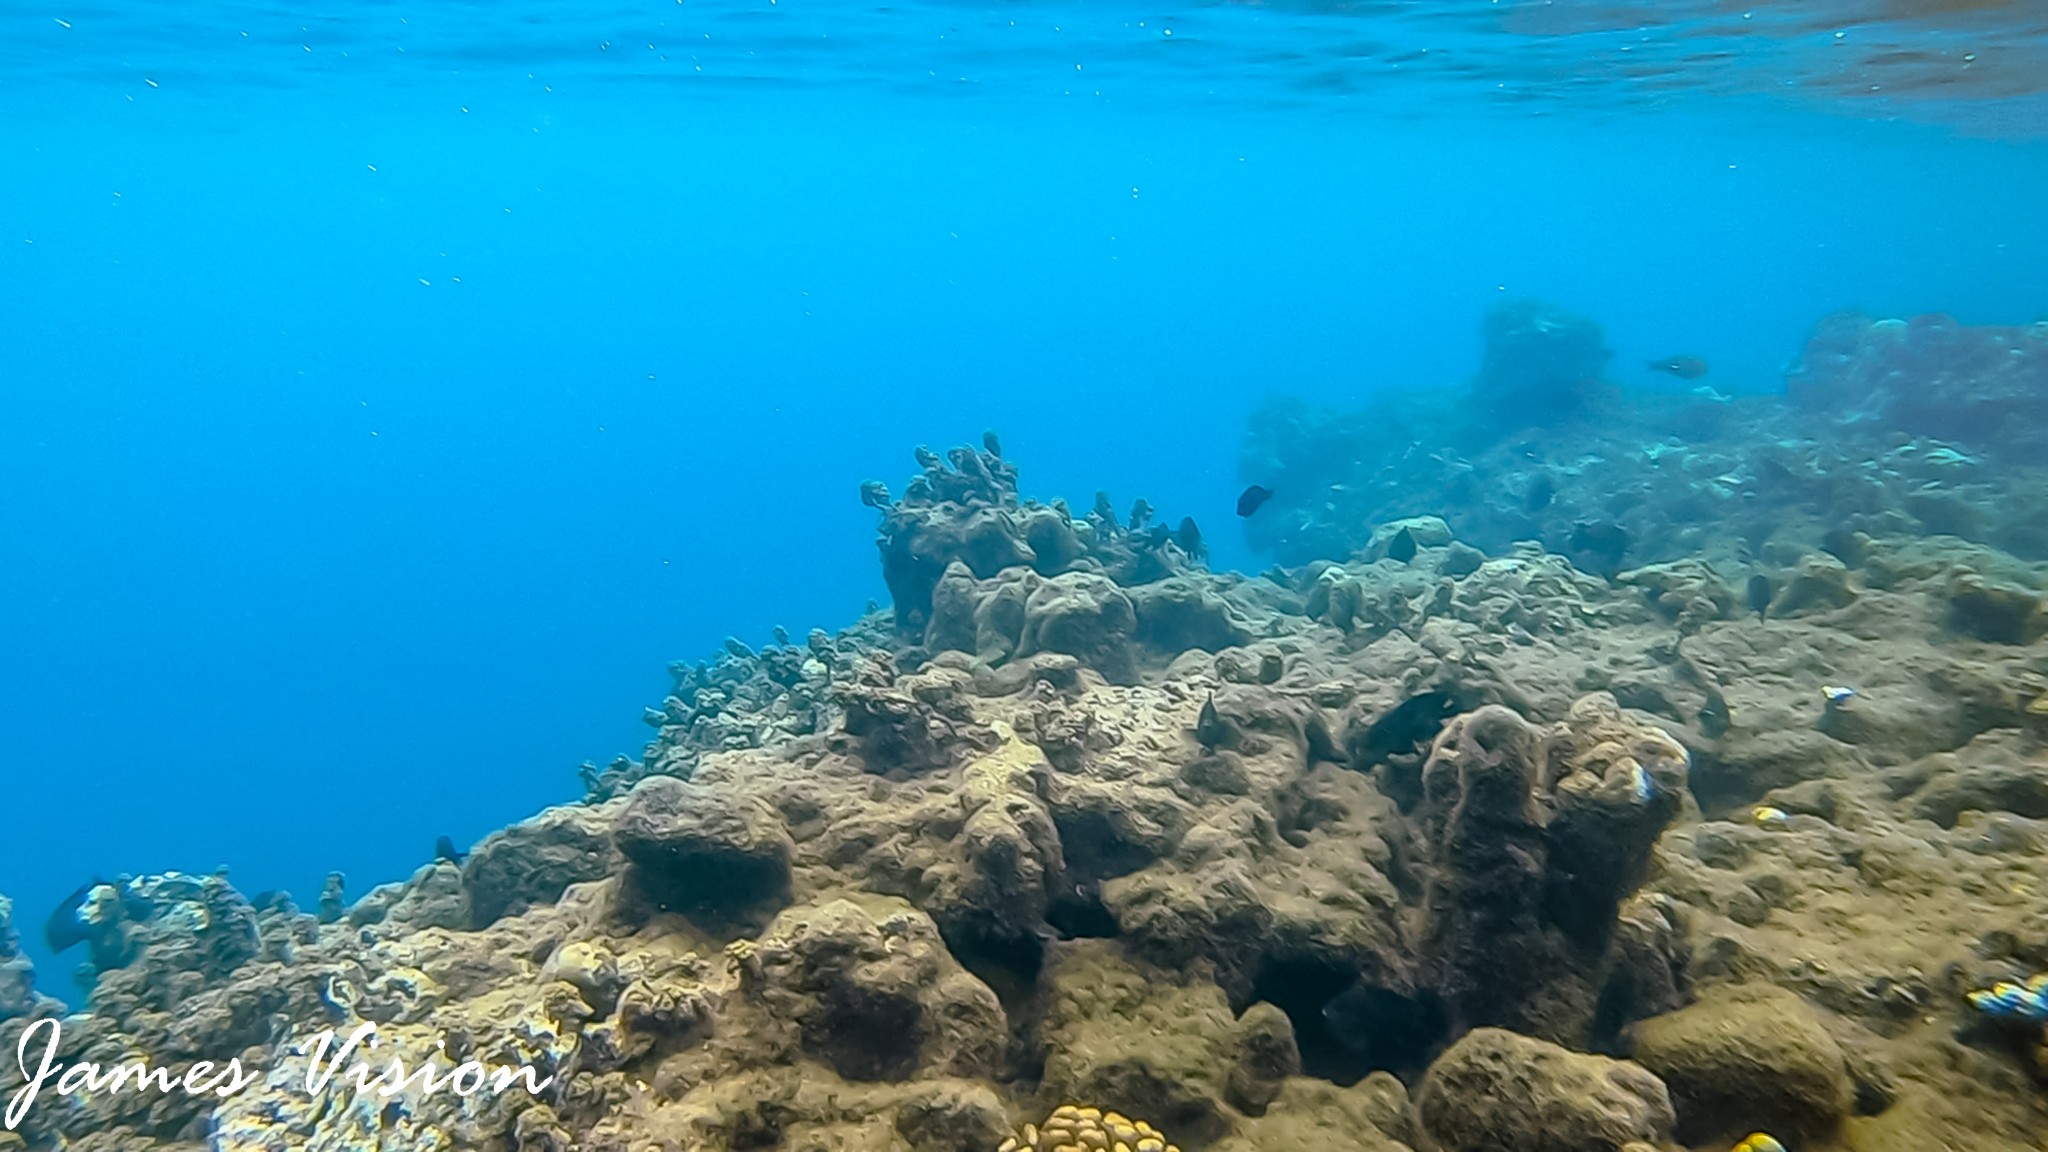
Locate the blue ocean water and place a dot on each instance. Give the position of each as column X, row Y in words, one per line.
column 389, row 391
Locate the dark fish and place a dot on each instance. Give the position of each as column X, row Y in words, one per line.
column 1714, row 716
column 66, row 928
column 994, row 446
column 1252, row 499
column 1683, row 367
column 1600, row 544
column 1158, row 536
column 1189, row 537
column 1759, row 594
column 444, row 849
column 1141, row 514
column 1402, row 546
column 1210, row 730
column 1386, row 1026
column 1542, row 490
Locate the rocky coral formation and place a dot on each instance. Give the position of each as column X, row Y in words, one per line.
column 964, row 509
column 1436, row 843
column 19, row 999
column 1979, row 387
column 1533, row 839
column 743, row 698
column 1890, row 428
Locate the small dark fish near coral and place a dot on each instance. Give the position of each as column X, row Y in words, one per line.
column 1759, row 594
column 1252, row 499
column 1683, row 367
column 994, row 446
column 68, row 926
column 444, row 849
column 1210, row 729
column 1189, row 538
column 1599, row 545
column 1402, row 547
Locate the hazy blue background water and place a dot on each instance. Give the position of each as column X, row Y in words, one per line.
column 389, row 391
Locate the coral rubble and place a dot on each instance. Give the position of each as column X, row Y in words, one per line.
column 1593, row 797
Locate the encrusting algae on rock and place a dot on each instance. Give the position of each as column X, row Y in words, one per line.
column 1437, row 838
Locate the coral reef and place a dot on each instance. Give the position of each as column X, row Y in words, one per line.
column 964, row 509
column 1890, row 428
column 19, row 999
column 1541, row 799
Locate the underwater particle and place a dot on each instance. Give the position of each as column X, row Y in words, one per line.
column 1765, row 816
column 1683, row 367
column 989, row 441
column 444, row 849
column 1759, row 594
column 1759, row 1142
column 2024, row 1003
column 1252, row 499
column 1837, row 695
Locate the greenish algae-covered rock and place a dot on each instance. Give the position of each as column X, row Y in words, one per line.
column 1747, row 1058
column 1495, row 1091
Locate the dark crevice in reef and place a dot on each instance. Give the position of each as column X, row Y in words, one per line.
column 870, row 1038
column 1011, row 968
column 1345, row 1029
column 1094, row 851
column 1301, row 990
column 1081, row 915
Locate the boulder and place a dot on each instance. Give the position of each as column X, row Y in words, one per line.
column 534, row 861
column 1495, row 1091
column 697, row 850
column 1747, row 1058
column 1086, row 616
